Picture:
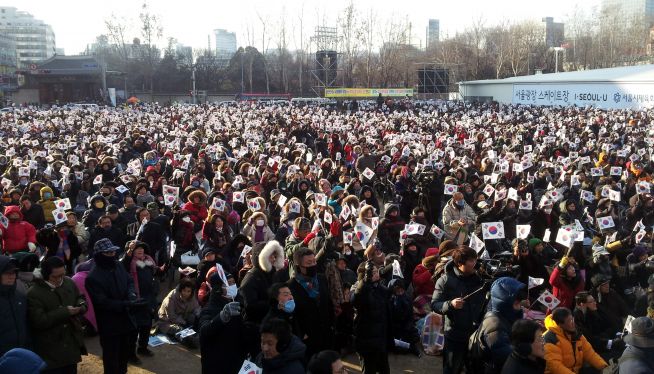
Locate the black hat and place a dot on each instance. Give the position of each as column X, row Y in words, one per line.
column 599, row 279
column 112, row 208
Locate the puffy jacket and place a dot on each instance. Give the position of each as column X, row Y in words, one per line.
column 565, row 290
column 565, row 354
column 57, row 338
column 13, row 315
column 389, row 229
column 637, row 360
column 496, row 326
column 459, row 323
column 222, row 344
column 48, row 205
column 17, row 234
column 372, row 321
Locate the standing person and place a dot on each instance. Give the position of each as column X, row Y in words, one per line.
column 54, row 307
column 372, row 322
column 506, row 297
column 528, row 356
column 13, row 309
column 222, row 343
column 112, row 293
column 566, row 350
column 458, row 218
column 281, row 351
column 314, row 311
column 455, row 298
column 142, row 268
column 638, row 358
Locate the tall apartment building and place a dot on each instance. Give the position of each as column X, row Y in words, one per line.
column 34, row 39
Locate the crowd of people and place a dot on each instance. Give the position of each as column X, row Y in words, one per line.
column 286, row 237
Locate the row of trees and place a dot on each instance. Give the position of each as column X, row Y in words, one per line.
column 372, row 52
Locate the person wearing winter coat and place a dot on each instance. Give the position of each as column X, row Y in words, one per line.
column 222, row 343
column 609, row 302
column 21, row 361
column 179, row 309
column 366, row 216
column 47, row 204
column 257, row 230
column 566, row 350
column 81, row 273
column 389, row 228
column 638, row 358
column 411, row 256
column 19, row 235
column 595, row 327
column 142, row 268
column 54, row 306
column 372, row 322
column 460, row 279
column 281, row 351
column 367, row 194
column 59, row 242
column 566, row 282
column 78, row 230
column 32, row 213
column 402, row 325
column 14, row 332
column 98, row 205
column 505, row 308
column 254, row 287
column 150, row 233
column 197, row 207
column 314, row 310
column 458, row 218
column 112, row 292
column 143, row 196
column 528, row 356
column 282, row 306
column 104, row 230
column 423, row 274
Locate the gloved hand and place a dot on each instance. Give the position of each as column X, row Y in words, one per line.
column 564, row 262
column 230, row 310
column 138, row 303
column 308, row 238
column 31, row 246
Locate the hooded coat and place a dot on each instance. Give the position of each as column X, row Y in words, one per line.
column 389, row 229
column 91, row 216
column 13, row 315
column 257, row 281
column 198, row 211
column 48, row 204
column 496, row 326
column 565, row 352
column 17, row 234
column 251, row 230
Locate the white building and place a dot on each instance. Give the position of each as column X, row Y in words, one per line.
column 433, row 32
column 613, row 88
column 631, row 8
column 225, row 43
column 34, row 39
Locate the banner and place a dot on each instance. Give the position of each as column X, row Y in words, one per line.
column 368, row 92
column 112, row 96
column 600, row 95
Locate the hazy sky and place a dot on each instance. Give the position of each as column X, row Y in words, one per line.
column 76, row 23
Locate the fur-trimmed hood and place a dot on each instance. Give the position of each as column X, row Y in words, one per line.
column 198, row 193
column 272, row 247
column 259, row 215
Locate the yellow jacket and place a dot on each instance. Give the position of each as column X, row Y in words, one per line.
column 565, row 354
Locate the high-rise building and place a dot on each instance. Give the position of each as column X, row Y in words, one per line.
column 554, row 32
column 433, row 32
column 225, row 43
column 7, row 54
column 34, row 39
column 630, row 8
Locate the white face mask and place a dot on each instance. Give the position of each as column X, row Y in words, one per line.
column 232, row 290
column 186, row 219
column 260, row 222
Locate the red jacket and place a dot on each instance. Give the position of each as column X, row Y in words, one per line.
column 16, row 236
column 198, row 212
column 422, row 282
column 562, row 289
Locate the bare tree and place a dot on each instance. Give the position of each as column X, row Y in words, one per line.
column 151, row 31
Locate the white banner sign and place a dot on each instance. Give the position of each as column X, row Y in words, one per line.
column 600, row 95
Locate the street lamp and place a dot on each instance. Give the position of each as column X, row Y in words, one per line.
column 556, row 51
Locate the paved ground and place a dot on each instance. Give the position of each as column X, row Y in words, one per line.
column 175, row 359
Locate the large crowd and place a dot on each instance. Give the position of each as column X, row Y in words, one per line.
column 508, row 239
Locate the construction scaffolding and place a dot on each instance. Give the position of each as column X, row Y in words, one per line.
column 325, row 57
